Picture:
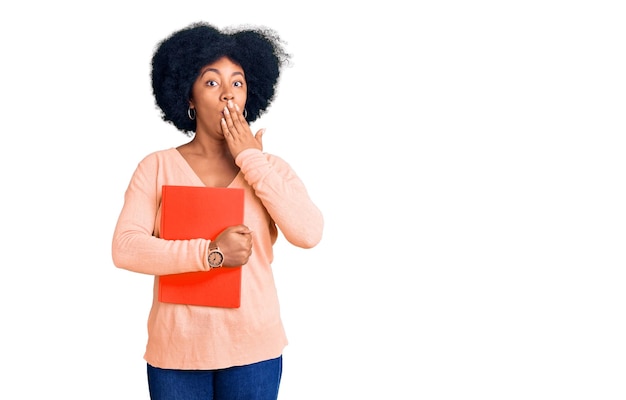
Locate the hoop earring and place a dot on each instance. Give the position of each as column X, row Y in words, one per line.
column 191, row 113
column 245, row 113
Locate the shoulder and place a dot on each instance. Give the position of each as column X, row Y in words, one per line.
column 156, row 161
column 159, row 156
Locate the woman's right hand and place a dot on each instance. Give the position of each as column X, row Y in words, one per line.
column 235, row 242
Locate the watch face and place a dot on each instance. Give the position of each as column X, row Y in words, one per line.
column 215, row 258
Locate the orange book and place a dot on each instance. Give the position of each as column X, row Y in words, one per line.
column 191, row 212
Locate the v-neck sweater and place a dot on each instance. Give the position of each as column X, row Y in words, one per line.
column 196, row 337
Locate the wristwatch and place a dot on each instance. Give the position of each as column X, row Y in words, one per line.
column 216, row 257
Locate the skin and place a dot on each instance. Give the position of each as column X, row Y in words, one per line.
column 219, row 96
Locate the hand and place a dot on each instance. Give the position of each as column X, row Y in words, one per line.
column 235, row 242
column 237, row 131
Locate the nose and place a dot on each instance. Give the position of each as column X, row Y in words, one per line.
column 227, row 95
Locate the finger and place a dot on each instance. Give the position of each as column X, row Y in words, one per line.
column 228, row 118
column 243, row 229
column 238, row 112
column 259, row 136
column 232, row 110
column 240, row 118
column 225, row 129
column 234, row 121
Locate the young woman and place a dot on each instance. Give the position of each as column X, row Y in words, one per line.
column 210, row 84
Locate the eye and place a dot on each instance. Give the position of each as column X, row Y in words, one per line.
column 238, row 84
column 212, row 83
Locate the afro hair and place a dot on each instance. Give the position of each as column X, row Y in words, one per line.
column 178, row 59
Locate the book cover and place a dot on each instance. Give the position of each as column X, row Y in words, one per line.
column 190, row 212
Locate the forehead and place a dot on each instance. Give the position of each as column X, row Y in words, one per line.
column 223, row 65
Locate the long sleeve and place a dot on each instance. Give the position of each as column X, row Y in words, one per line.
column 136, row 245
column 284, row 196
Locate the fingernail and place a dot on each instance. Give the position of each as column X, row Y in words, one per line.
column 230, row 103
column 226, row 110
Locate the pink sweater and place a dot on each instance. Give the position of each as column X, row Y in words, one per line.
column 194, row 337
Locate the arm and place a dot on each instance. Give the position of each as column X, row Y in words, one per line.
column 135, row 246
column 284, row 196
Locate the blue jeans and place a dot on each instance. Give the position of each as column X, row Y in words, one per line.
column 258, row 381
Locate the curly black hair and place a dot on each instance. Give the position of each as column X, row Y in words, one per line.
column 178, row 59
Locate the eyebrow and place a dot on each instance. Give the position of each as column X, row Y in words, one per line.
column 217, row 71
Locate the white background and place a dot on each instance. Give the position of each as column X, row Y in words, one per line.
column 468, row 158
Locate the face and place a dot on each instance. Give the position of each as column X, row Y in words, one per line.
column 217, row 83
